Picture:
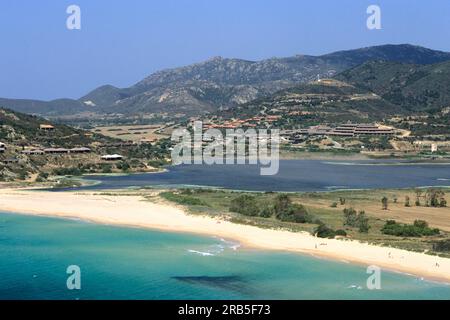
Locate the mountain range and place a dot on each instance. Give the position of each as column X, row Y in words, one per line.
column 407, row 76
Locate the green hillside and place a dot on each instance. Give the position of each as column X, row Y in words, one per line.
column 22, row 133
column 318, row 102
column 24, row 129
column 413, row 87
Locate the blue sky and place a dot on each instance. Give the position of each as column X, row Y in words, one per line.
column 121, row 42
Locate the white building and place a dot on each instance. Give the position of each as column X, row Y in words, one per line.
column 434, row 147
column 112, row 157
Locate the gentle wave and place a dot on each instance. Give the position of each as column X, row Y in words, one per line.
column 335, row 187
column 354, row 286
column 202, row 253
column 231, row 244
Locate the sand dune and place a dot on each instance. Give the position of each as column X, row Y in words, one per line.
column 133, row 210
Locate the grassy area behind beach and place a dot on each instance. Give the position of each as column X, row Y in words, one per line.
column 335, row 210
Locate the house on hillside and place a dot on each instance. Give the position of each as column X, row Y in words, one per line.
column 80, row 150
column 434, row 147
column 33, row 152
column 46, row 127
column 56, row 150
column 2, row 147
column 112, row 157
column 10, row 161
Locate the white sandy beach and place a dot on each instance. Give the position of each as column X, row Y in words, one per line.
column 135, row 211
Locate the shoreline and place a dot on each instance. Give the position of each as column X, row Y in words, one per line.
column 136, row 211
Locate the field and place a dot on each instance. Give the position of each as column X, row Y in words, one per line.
column 135, row 133
column 327, row 207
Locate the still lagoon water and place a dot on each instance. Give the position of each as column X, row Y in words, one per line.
column 293, row 175
column 129, row 263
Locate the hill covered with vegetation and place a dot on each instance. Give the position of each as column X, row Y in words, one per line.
column 413, row 87
column 29, row 141
column 23, row 129
column 323, row 101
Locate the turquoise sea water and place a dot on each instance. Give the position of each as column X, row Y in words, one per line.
column 129, row 263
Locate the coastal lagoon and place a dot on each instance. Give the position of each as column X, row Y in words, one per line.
column 294, row 175
column 132, row 263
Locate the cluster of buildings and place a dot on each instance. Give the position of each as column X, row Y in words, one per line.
column 56, row 151
column 107, row 157
column 78, row 150
column 241, row 123
column 40, row 151
column 343, row 130
column 118, row 144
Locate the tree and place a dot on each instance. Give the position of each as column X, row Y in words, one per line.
column 384, row 203
column 420, row 224
column 418, row 196
column 266, row 211
column 435, row 197
column 359, row 220
column 350, row 217
column 295, row 213
column 407, row 202
column 282, row 203
column 363, row 222
column 245, row 204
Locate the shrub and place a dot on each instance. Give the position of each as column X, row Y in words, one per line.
column 68, row 171
column 341, row 232
column 156, row 163
column 245, row 204
column 124, row 166
column 420, row 224
column 42, row 177
column 295, row 213
column 106, row 168
column 282, row 202
column 182, row 199
column 442, row 246
column 322, row 231
column 186, row 192
column 418, row 229
column 266, row 211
